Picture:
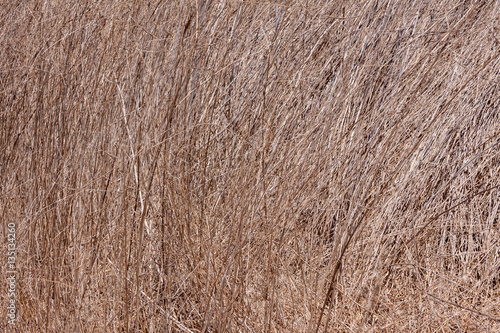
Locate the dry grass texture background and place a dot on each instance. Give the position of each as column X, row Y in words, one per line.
column 252, row 166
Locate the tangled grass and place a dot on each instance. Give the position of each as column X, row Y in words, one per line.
column 252, row 166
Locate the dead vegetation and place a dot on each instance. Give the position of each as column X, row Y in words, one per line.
column 252, row 166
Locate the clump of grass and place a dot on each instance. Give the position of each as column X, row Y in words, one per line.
column 211, row 166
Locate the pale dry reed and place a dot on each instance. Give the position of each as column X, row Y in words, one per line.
column 252, row 166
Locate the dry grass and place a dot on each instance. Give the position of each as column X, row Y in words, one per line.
column 252, row 166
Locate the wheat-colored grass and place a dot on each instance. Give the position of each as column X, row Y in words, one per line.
column 252, row 166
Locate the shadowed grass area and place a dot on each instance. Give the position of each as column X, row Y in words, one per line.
column 252, row 166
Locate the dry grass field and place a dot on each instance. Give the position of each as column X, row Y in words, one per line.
column 251, row 166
